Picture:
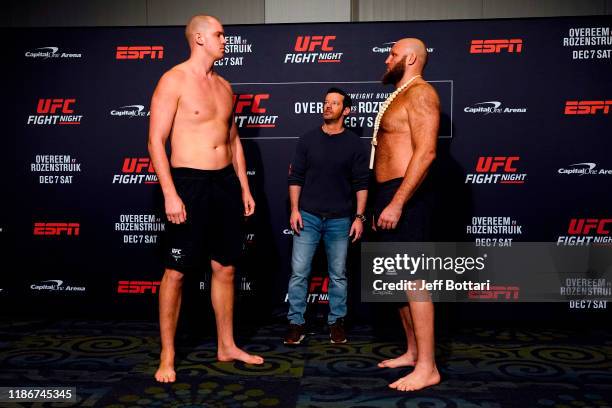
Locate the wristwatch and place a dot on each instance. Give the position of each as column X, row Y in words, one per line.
column 360, row 217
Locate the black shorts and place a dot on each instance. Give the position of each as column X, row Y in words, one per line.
column 215, row 213
column 415, row 222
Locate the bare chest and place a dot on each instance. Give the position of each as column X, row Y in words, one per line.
column 395, row 120
column 203, row 101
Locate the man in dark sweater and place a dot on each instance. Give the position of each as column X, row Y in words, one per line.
column 329, row 168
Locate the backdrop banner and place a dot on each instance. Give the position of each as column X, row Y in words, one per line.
column 523, row 153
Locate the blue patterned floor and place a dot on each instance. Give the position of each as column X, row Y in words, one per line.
column 112, row 364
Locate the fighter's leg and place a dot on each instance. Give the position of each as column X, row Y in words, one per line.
column 425, row 371
column 170, row 292
column 409, row 358
column 222, row 296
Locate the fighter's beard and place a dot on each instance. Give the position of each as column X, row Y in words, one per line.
column 395, row 74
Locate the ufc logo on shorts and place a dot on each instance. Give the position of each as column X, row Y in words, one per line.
column 137, row 286
column 137, row 165
column 495, row 292
column 491, row 164
column 310, row 43
column 587, row 107
column 140, row 52
column 53, row 105
column 250, row 100
column 318, row 282
column 496, row 46
column 586, row 226
column 56, row 228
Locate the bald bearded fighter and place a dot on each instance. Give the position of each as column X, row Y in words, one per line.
column 405, row 147
column 205, row 187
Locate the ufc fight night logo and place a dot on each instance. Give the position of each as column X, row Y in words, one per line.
column 496, row 170
column 249, row 111
column 586, row 231
column 136, row 170
column 55, row 111
column 313, row 49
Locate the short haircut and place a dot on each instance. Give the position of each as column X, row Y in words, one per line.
column 346, row 101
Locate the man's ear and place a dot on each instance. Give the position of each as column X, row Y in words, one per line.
column 411, row 58
column 346, row 111
column 199, row 38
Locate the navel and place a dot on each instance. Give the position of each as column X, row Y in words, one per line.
column 197, row 112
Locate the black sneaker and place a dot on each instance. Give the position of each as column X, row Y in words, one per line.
column 336, row 332
column 295, row 334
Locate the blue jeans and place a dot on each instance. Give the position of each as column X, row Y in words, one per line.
column 335, row 234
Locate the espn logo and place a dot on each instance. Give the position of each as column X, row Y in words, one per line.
column 140, row 287
column 586, row 226
column 496, row 292
column 56, row 228
column 496, row 46
column 491, row 164
column 308, row 43
column 250, row 100
column 139, row 52
column 54, row 105
column 587, row 107
column 137, row 165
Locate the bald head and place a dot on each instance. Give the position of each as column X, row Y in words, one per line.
column 414, row 50
column 198, row 24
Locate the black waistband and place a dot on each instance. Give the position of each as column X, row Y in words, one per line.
column 392, row 182
column 188, row 172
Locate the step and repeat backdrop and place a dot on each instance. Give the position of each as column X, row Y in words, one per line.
column 524, row 145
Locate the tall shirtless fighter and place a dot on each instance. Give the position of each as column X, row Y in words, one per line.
column 204, row 183
column 406, row 147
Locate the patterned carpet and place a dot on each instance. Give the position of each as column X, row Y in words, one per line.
column 112, row 363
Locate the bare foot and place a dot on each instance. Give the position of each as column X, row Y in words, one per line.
column 405, row 360
column 165, row 373
column 235, row 353
column 418, row 379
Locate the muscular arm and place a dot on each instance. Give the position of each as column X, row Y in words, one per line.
column 423, row 108
column 163, row 109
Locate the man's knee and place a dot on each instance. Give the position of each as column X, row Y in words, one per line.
column 224, row 272
column 338, row 281
column 300, row 268
column 173, row 276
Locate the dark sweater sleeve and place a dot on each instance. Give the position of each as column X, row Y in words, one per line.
column 297, row 167
column 361, row 175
